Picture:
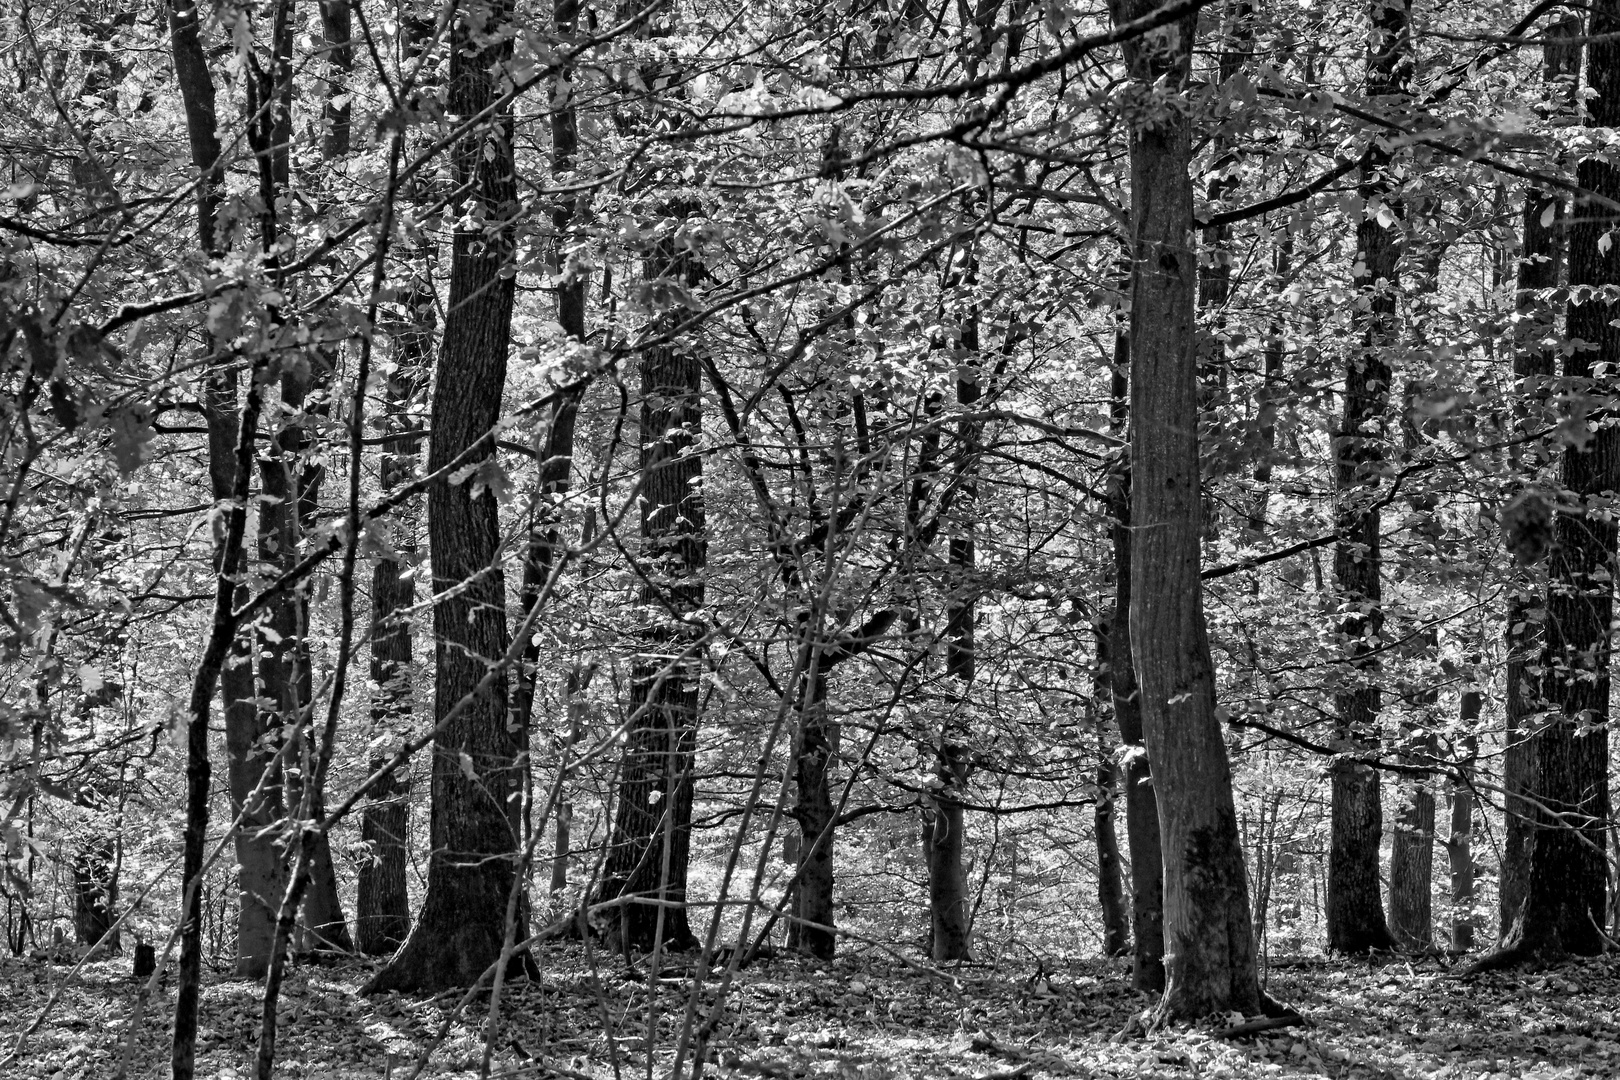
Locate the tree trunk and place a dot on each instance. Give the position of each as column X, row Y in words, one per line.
column 382, row 905
column 1565, row 900
column 94, row 890
column 813, row 895
column 1209, row 961
column 949, row 908
column 1411, row 867
column 1141, row 797
column 261, row 873
column 473, row 826
column 1110, row 884
column 1459, row 842
column 1355, row 910
column 650, row 845
column 1541, row 253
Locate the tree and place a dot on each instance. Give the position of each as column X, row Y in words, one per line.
column 1541, row 252
column 474, row 825
column 651, row 842
column 1210, row 959
column 1565, row 901
column 1355, row 905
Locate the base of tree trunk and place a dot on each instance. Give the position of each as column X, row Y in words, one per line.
column 444, row 952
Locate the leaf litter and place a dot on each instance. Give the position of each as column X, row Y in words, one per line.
column 863, row 1017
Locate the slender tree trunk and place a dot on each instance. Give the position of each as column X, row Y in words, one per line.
column 382, row 905
column 949, row 906
column 1110, row 884
column 1355, row 909
column 1141, row 796
column 261, row 872
column 1459, row 842
column 1271, row 394
column 1411, row 862
column 812, row 933
column 1210, row 961
column 473, row 825
column 1540, row 256
column 653, row 813
column 382, row 899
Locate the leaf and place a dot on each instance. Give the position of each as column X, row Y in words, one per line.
column 1548, row 214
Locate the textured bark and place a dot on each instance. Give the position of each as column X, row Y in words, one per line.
column 651, row 841
column 1355, row 910
column 1459, row 841
column 473, row 826
column 1411, row 869
column 1271, row 391
column 382, row 906
column 260, row 869
column 1210, row 960
column 1540, row 256
column 813, row 895
column 1565, row 901
column 948, row 903
column 1116, row 917
column 949, row 907
column 1141, row 797
column 382, row 901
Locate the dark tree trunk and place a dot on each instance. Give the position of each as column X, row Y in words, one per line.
column 474, row 826
column 1355, row 909
column 1210, row 960
column 813, row 930
column 651, row 841
column 1565, row 897
column 94, row 892
column 1411, row 867
column 1459, row 842
column 949, row 907
column 1271, row 391
column 1141, row 797
column 557, row 449
column 1116, row 918
column 1542, row 251
column 382, row 906
column 382, row 900
column 261, row 871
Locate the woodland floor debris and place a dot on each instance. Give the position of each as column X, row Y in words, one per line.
column 863, row 1018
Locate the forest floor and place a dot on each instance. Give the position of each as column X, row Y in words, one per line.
column 867, row 1016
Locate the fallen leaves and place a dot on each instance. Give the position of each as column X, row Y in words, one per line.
column 863, row 1018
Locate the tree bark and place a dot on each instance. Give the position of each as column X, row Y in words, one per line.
column 1355, row 910
column 1540, row 256
column 650, row 845
column 1210, row 960
column 949, row 907
column 1564, row 905
column 260, row 868
column 1110, row 884
column 1141, row 797
column 382, row 906
column 1459, row 842
column 473, row 826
